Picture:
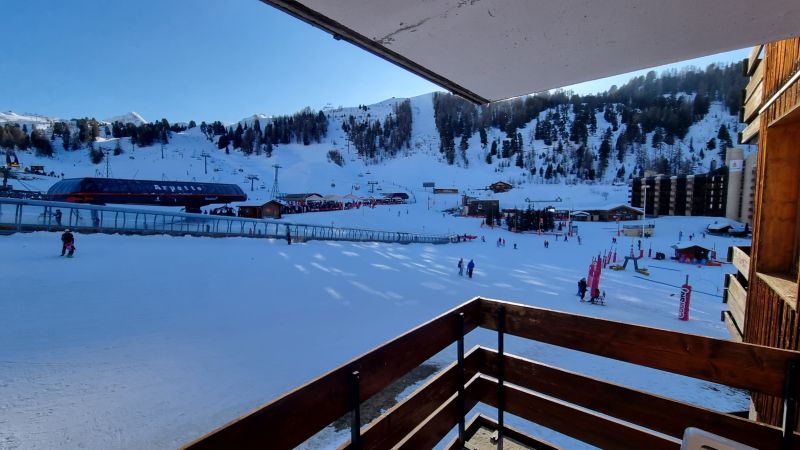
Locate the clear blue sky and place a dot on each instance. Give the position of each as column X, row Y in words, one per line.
column 198, row 59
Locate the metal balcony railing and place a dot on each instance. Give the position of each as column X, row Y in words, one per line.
column 23, row 215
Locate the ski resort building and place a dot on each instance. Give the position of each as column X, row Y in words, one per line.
column 438, row 40
column 611, row 213
column 479, row 208
column 269, row 210
column 725, row 192
column 500, row 186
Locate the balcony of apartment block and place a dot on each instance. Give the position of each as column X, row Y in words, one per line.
column 444, row 411
column 735, row 295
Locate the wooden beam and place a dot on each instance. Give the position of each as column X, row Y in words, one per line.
column 779, row 163
column 429, row 432
column 737, row 301
column 734, row 329
column 304, row 411
column 744, row 366
column 753, row 61
column 754, row 96
column 654, row 412
column 594, row 429
column 783, row 285
column 393, row 425
column 750, row 131
column 740, row 257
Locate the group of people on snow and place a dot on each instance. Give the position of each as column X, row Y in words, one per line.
column 596, row 296
column 470, row 266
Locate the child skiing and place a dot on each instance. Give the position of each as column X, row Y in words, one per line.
column 67, row 243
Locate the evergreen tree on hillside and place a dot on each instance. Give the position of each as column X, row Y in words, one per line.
column 725, row 141
column 463, row 146
column 41, row 143
column 711, row 144
column 604, row 153
column 621, row 145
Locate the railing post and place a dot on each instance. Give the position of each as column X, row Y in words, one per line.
column 501, row 404
column 355, row 404
column 789, row 403
column 462, row 438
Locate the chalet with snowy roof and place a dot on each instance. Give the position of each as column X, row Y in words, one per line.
column 691, row 253
column 500, row 186
column 269, row 210
column 395, row 197
column 471, row 206
column 610, row 213
column 725, row 228
column 302, row 198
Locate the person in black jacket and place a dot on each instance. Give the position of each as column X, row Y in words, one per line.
column 67, row 242
column 582, row 288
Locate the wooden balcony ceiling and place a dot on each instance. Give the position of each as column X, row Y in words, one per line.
column 487, row 50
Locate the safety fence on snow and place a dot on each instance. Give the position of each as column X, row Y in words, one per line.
column 24, row 215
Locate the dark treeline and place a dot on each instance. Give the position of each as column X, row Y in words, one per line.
column 531, row 220
column 146, row 134
column 373, row 139
column 644, row 105
column 304, row 127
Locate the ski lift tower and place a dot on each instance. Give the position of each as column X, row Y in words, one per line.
column 108, row 162
column 372, row 185
column 252, row 178
column 205, row 156
column 276, row 193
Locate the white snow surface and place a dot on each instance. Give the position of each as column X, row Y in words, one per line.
column 150, row 342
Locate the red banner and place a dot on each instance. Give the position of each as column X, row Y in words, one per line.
column 686, row 298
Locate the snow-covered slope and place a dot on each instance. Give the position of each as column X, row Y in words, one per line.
column 150, row 342
column 307, row 168
column 131, row 117
column 31, row 121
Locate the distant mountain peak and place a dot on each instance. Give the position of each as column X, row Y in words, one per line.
column 131, row 117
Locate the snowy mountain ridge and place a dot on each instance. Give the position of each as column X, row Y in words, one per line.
column 131, row 117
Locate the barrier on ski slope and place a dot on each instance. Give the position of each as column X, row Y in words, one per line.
column 22, row 215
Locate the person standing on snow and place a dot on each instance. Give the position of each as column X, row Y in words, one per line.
column 461, row 267
column 470, row 267
column 67, row 243
column 58, row 217
column 288, row 236
column 582, row 288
